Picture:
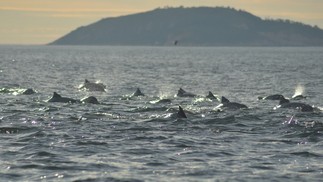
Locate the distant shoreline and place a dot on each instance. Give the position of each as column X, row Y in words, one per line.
column 197, row 26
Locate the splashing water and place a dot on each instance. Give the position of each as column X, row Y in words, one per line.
column 299, row 90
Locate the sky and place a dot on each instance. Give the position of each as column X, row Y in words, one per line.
column 38, row 22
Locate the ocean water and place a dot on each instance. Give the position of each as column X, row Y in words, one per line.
column 134, row 139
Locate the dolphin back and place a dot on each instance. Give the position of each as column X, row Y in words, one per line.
column 58, row 98
column 182, row 93
column 91, row 100
column 283, row 101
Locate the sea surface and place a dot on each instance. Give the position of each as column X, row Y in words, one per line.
column 135, row 139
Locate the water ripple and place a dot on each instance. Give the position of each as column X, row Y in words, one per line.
column 137, row 139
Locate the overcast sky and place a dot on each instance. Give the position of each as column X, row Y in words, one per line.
column 42, row 21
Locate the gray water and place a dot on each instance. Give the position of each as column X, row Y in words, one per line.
column 132, row 139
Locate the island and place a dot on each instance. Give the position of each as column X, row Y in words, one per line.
column 194, row 26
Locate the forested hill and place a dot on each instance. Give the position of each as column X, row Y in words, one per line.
column 199, row 26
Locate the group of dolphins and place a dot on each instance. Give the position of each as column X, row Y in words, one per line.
column 225, row 103
column 283, row 101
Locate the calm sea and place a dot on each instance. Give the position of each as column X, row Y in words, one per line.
column 133, row 139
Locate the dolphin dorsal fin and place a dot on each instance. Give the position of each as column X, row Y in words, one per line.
column 181, row 113
column 56, row 95
column 86, row 81
column 283, row 101
column 210, row 95
column 138, row 92
column 224, row 100
column 181, row 91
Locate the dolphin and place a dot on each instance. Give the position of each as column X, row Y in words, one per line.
column 285, row 103
column 183, row 93
column 225, row 103
column 91, row 86
column 271, row 97
column 298, row 97
column 91, row 100
column 161, row 101
column 58, row 98
column 28, row 91
column 211, row 96
column 137, row 93
column 181, row 113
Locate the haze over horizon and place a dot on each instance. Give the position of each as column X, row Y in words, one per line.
column 40, row 22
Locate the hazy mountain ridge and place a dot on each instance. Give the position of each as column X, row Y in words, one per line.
column 202, row 26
